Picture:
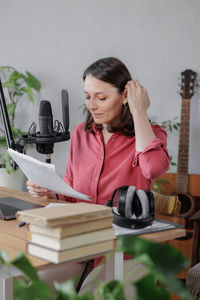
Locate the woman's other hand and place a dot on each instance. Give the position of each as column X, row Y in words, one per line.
column 137, row 96
column 37, row 192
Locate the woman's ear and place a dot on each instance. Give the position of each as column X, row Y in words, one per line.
column 125, row 97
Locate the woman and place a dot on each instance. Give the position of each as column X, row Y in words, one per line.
column 116, row 145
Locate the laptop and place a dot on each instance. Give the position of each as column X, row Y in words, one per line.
column 9, row 206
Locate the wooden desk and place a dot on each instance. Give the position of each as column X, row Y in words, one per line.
column 14, row 239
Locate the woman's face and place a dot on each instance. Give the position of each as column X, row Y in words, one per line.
column 102, row 100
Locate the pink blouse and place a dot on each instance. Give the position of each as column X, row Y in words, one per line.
column 96, row 169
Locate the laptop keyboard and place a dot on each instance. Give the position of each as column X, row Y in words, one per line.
column 8, row 210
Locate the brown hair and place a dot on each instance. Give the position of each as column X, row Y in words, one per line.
column 113, row 71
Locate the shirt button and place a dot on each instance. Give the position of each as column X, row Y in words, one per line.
column 101, row 157
column 95, row 178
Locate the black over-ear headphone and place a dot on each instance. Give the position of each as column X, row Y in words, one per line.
column 135, row 208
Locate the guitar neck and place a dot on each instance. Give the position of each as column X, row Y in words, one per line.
column 183, row 151
column 187, row 91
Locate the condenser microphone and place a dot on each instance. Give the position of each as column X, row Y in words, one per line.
column 49, row 132
column 46, row 134
column 45, row 118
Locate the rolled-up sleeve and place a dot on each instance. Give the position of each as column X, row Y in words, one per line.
column 154, row 159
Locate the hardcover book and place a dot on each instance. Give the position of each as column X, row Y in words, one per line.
column 72, row 229
column 73, row 241
column 70, row 254
column 63, row 215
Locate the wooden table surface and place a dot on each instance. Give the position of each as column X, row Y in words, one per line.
column 14, row 238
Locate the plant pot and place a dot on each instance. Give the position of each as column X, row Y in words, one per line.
column 14, row 180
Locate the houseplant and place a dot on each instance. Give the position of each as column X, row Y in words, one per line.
column 171, row 126
column 18, row 87
column 161, row 261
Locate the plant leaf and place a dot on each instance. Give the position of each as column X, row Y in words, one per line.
column 10, row 85
column 3, row 142
column 4, row 259
column 175, row 127
column 170, row 263
column 11, row 108
column 65, row 288
column 162, row 261
column 15, row 76
column 6, row 160
column 35, row 291
column 3, row 68
column 23, row 264
column 147, row 288
column 32, row 81
column 176, row 286
column 163, row 181
column 17, row 132
column 28, row 91
column 112, row 290
column 85, row 296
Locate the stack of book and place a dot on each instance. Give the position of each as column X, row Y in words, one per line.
column 64, row 233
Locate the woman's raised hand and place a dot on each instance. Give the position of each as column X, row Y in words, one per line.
column 37, row 192
column 137, row 96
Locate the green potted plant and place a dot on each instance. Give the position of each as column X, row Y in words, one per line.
column 17, row 87
column 170, row 126
column 162, row 263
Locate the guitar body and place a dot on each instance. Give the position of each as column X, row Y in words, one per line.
column 170, row 187
column 193, row 192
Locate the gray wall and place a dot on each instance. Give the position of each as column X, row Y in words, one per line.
column 56, row 40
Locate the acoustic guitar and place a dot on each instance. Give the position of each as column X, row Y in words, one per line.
column 186, row 186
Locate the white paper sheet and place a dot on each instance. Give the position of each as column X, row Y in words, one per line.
column 44, row 175
column 157, row 225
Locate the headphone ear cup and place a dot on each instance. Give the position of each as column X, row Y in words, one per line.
column 129, row 202
column 121, row 200
column 150, row 196
column 144, row 201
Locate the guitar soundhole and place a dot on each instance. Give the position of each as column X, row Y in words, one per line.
column 187, row 204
